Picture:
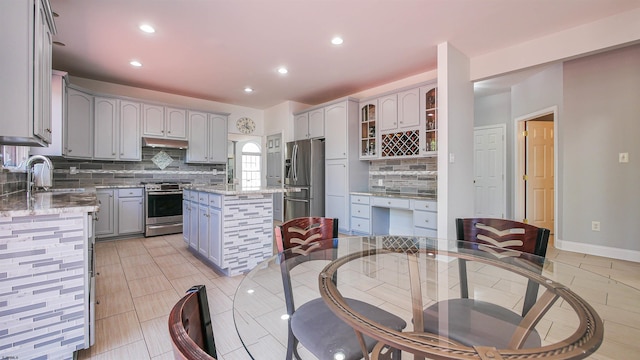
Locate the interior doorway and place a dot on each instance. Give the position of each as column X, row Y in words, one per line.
column 489, row 163
column 536, row 200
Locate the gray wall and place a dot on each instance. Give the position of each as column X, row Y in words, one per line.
column 598, row 117
column 602, row 119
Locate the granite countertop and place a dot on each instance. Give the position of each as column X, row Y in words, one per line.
column 57, row 201
column 226, row 189
column 396, row 195
column 119, row 186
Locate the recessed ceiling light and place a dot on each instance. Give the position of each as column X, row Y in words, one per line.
column 337, row 40
column 248, row 90
column 147, row 28
column 135, row 63
column 283, row 70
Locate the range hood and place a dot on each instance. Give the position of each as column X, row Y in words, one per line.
column 164, row 143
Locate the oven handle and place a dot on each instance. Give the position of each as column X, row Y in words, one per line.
column 164, row 193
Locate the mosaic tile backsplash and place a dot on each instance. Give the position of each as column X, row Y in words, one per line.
column 411, row 176
column 94, row 172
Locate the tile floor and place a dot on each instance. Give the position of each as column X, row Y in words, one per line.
column 140, row 279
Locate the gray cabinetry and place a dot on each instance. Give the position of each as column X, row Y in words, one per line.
column 336, row 117
column 130, row 211
column 25, row 93
column 117, row 134
column 78, row 125
column 105, row 222
column 121, row 212
column 164, row 122
column 203, row 229
column 207, row 138
column 309, row 125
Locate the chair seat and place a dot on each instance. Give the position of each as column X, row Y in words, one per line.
column 320, row 331
column 476, row 323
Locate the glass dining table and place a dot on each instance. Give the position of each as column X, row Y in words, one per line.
column 406, row 275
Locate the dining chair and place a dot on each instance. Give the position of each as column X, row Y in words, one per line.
column 190, row 327
column 474, row 322
column 313, row 324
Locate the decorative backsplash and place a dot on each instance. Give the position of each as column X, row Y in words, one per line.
column 94, row 172
column 412, row 176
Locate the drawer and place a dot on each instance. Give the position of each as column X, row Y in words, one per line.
column 389, row 202
column 193, row 196
column 432, row 233
column 360, row 210
column 425, row 219
column 186, row 194
column 202, row 198
column 359, row 199
column 133, row 192
column 360, row 225
column 426, row 205
column 215, row 200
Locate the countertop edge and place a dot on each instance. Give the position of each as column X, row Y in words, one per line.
column 396, row 195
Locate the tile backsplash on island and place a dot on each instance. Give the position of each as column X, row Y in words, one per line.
column 412, row 176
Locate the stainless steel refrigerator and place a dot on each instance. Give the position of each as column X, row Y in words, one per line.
column 304, row 168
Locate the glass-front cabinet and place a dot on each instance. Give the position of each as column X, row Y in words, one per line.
column 368, row 130
column 429, row 105
column 414, row 116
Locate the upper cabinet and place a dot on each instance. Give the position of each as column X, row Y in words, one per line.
column 77, row 128
column 207, row 138
column 25, row 92
column 336, row 117
column 399, row 125
column 164, row 122
column 368, row 129
column 309, row 125
column 117, row 130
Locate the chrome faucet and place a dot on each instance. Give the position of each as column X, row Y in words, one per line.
column 29, row 167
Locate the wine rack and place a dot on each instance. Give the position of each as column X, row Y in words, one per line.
column 406, row 143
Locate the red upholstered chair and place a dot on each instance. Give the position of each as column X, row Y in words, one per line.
column 475, row 322
column 190, row 327
column 313, row 324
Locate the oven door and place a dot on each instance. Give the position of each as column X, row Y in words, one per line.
column 163, row 207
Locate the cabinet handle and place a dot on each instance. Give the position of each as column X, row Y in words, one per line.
column 113, row 153
column 426, row 221
column 69, row 150
column 49, row 131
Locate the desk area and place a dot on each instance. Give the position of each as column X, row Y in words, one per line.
column 376, row 269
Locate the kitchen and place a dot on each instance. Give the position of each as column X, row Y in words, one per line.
column 106, row 174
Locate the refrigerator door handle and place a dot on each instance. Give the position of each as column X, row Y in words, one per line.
column 294, row 159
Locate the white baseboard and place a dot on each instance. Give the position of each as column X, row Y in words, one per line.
column 598, row 250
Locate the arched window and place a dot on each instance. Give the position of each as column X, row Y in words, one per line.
column 251, row 160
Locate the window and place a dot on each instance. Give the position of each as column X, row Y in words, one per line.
column 251, row 159
column 13, row 156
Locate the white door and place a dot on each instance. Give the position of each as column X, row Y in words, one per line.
column 489, row 167
column 540, row 176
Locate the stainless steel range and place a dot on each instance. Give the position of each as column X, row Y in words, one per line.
column 163, row 208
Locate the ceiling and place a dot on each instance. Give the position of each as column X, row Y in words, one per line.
column 213, row 49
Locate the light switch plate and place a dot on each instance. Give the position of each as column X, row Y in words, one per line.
column 623, row 157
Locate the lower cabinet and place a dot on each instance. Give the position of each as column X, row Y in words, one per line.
column 387, row 215
column 203, row 229
column 130, row 212
column 215, row 231
column 360, row 215
column 425, row 218
column 121, row 212
column 105, row 221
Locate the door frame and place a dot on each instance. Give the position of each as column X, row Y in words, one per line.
column 503, row 127
column 519, row 163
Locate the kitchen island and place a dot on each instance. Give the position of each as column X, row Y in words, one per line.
column 46, row 273
column 230, row 226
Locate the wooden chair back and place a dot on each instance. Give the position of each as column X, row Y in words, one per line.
column 190, row 327
column 497, row 237
column 305, row 231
